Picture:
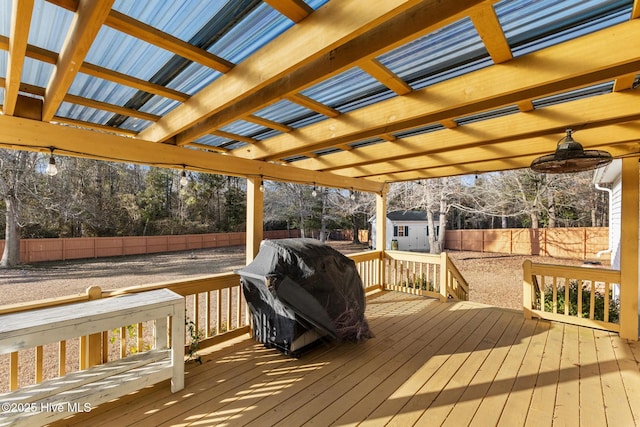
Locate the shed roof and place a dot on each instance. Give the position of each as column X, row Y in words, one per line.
column 407, row 216
column 342, row 93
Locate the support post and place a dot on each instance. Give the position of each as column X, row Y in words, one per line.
column 629, row 249
column 91, row 345
column 381, row 232
column 255, row 217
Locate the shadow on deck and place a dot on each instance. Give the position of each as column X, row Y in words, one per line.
column 431, row 363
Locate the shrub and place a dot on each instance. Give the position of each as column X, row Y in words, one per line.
column 614, row 304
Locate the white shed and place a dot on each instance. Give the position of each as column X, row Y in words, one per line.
column 407, row 229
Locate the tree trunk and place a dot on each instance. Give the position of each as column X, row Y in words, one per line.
column 356, row 229
column 11, row 254
column 535, row 223
column 552, row 210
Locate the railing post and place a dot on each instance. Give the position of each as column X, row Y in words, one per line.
column 527, row 289
column 444, row 295
column 91, row 345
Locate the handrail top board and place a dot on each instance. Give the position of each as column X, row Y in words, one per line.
column 41, row 326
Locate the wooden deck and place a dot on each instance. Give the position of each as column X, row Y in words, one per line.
column 431, row 363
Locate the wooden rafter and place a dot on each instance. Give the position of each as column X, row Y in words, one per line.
column 296, row 10
column 126, row 24
column 234, row 137
column 606, row 110
column 20, row 12
column 485, row 89
column 135, row 28
column 49, row 57
column 332, row 39
column 267, row 123
column 84, row 28
column 313, row 105
column 98, row 105
column 375, row 69
column 490, row 31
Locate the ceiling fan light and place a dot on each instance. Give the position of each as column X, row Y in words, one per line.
column 571, row 157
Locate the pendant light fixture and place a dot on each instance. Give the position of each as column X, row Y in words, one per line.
column 52, row 169
column 571, row 157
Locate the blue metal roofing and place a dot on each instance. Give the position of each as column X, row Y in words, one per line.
column 241, row 27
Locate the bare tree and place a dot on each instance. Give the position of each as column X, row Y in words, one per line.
column 435, row 196
column 15, row 168
column 354, row 206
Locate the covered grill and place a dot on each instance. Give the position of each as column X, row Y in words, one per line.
column 300, row 291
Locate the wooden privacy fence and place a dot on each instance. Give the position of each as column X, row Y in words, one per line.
column 574, row 243
column 62, row 249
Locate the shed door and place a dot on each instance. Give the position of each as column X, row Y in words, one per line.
column 419, row 240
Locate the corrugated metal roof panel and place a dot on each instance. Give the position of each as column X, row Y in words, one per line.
column 533, row 25
column 453, row 50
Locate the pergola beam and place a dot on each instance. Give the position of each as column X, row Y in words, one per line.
column 33, row 135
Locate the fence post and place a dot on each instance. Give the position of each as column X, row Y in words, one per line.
column 91, row 345
column 527, row 289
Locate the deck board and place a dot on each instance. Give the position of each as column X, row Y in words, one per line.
column 431, row 363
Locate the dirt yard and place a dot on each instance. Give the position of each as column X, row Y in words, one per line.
column 493, row 278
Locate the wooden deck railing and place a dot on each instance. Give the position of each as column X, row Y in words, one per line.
column 369, row 268
column 578, row 295
column 424, row 274
column 217, row 312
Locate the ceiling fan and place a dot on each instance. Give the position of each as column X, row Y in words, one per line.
column 571, row 157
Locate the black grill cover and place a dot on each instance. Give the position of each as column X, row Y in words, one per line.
column 300, row 291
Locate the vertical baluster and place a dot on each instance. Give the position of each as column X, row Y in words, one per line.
column 105, row 346
column 554, row 287
column 607, row 300
column 140, row 338
column 62, row 358
column 592, row 300
column 239, row 308
column 229, row 309
column 196, row 312
column 39, row 357
column 13, row 371
column 207, row 315
column 579, row 285
column 123, row 342
column 566, row 296
column 219, row 312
